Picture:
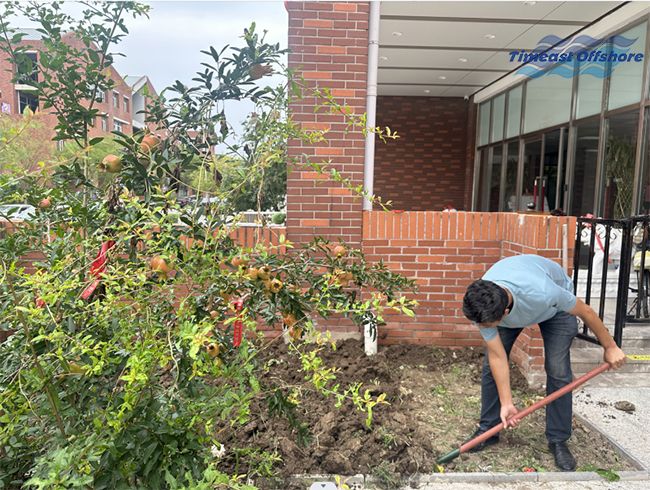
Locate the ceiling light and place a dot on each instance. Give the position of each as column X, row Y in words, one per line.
column 530, row 3
column 383, row 58
column 490, row 36
column 463, row 60
column 427, row 91
column 442, row 77
column 397, row 33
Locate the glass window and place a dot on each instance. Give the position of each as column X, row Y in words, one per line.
column 126, row 104
column 27, row 100
column 117, row 125
column 510, row 184
column 627, row 77
column 618, row 181
column 104, row 123
column 514, row 112
column 484, row 123
column 101, row 96
column 26, row 68
column 116, row 100
column 498, row 106
column 584, row 173
column 644, row 198
column 548, row 101
column 495, row 178
column 590, row 93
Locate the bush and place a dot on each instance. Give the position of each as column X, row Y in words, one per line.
column 127, row 340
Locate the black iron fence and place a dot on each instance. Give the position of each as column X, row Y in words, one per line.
column 608, row 253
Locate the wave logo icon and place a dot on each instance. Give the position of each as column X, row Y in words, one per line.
column 579, row 55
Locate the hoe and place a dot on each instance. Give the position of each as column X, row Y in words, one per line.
column 535, row 406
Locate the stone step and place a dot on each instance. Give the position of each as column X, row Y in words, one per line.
column 616, row 379
column 635, row 336
column 583, row 360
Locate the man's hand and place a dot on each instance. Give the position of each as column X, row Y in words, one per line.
column 507, row 411
column 614, row 357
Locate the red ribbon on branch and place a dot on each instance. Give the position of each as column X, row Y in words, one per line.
column 238, row 325
column 97, row 267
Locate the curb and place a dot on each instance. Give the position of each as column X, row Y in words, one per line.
column 368, row 482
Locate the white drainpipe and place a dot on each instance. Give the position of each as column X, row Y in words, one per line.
column 370, row 343
column 371, row 103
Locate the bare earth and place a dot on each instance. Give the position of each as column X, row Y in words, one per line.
column 434, row 397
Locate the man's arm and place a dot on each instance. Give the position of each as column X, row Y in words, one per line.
column 613, row 355
column 501, row 372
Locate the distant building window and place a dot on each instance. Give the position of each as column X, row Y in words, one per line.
column 104, row 123
column 117, row 125
column 60, row 144
column 27, row 69
column 116, row 100
column 101, row 96
column 92, row 122
column 126, row 104
column 27, row 99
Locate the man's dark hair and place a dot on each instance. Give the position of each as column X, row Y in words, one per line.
column 484, row 302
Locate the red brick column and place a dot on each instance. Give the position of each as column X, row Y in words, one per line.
column 329, row 44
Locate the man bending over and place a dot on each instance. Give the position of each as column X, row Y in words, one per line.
column 514, row 293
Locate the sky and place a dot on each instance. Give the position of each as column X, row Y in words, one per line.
column 167, row 46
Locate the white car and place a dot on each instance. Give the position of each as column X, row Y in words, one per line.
column 17, row 212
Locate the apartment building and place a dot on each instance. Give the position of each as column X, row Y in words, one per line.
column 120, row 109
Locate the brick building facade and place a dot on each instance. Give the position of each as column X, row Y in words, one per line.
column 115, row 106
column 429, row 166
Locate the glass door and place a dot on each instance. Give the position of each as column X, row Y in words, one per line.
column 531, row 183
column 585, row 163
column 551, row 195
column 494, row 195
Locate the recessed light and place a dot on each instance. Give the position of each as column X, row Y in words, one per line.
column 463, row 60
column 490, row 36
column 442, row 77
column 427, row 91
column 530, row 3
column 397, row 33
column 383, row 58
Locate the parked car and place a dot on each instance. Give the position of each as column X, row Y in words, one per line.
column 16, row 212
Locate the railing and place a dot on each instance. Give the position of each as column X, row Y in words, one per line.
column 639, row 311
column 606, row 250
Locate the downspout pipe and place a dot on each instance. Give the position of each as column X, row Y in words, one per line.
column 370, row 334
column 371, row 104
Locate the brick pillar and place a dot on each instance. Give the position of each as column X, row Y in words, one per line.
column 328, row 42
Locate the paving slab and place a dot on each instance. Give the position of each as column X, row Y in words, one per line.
column 628, row 431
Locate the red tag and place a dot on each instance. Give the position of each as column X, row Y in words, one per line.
column 97, row 267
column 238, row 325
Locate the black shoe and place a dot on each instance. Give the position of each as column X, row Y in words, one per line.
column 564, row 460
column 487, row 443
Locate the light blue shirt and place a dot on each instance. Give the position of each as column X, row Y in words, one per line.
column 539, row 287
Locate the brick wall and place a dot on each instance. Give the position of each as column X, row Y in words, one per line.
column 425, row 168
column 444, row 253
column 329, row 46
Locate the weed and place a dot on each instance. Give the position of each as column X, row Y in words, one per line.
column 388, row 479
